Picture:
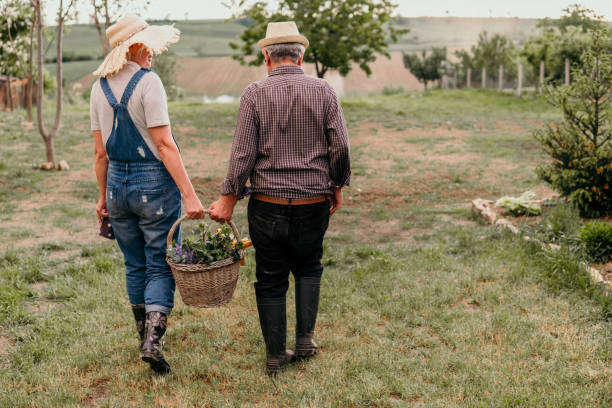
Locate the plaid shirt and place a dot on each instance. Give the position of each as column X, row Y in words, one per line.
column 290, row 139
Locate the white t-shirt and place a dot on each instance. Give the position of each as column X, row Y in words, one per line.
column 147, row 106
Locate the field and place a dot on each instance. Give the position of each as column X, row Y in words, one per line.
column 205, row 66
column 421, row 305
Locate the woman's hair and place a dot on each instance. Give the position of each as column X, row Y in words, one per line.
column 137, row 51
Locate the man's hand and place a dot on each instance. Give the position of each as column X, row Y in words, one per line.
column 336, row 201
column 101, row 209
column 222, row 209
column 194, row 207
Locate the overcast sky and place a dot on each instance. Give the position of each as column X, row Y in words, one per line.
column 202, row 9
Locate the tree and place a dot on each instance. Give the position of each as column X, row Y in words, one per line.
column 165, row 66
column 575, row 15
column 427, row 67
column 15, row 24
column 491, row 52
column 104, row 13
column 339, row 32
column 581, row 144
column 63, row 13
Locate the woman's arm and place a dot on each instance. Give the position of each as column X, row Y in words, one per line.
column 101, row 166
column 170, row 156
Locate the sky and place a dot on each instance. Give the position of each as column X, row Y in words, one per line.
column 205, row 9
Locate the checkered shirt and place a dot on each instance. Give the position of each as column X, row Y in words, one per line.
column 290, row 139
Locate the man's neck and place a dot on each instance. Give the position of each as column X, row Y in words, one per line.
column 274, row 65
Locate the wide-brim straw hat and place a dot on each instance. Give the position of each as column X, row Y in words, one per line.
column 131, row 29
column 281, row 33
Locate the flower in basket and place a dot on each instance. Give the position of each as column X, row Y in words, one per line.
column 206, row 247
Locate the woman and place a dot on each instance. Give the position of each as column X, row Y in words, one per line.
column 140, row 172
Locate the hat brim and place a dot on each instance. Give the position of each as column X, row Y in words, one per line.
column 282, row 40
column 156, row 38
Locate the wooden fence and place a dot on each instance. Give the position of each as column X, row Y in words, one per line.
column 447, row 81
column 18, row 94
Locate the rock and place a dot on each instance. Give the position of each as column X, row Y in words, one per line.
column 47, row 166
column 502, row 222
column 484, row 208
column 63, row 165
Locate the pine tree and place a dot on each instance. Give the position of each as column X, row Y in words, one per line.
column 581, row 143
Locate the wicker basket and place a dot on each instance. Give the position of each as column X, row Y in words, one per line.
column 205, row 285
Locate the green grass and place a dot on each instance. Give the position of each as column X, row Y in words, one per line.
column 421, row 304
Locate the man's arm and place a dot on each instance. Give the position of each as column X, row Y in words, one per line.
column 101, row 166
column 339, row 154
column 242, row 161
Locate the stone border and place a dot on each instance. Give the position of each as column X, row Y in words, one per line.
column 485, row 210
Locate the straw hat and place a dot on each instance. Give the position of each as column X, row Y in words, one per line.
column 283, row 32
column 131, row 29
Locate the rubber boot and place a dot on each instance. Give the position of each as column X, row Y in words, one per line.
column 151, row 350
column 140, row 316
column 306, row 307
column 273, row 321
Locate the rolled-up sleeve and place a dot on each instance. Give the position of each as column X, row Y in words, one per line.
column 337, row 136
column 244, row 148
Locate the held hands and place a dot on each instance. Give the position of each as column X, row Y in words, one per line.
column 336, row 201
column 194, row 208
column 222, row 209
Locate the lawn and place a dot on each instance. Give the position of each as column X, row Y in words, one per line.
column 421, row 303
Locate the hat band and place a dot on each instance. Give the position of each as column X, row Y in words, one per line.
column 131, row 35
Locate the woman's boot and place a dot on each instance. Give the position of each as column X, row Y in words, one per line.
column 273, row 321
column 140, row 316
column 151, row 348
column 306, row 306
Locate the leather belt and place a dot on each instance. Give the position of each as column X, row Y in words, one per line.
column 290, row 201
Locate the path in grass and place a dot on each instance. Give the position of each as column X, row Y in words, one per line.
column 421, row 305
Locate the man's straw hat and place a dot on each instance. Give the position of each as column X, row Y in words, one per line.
column 283, row 32
column 129, row 30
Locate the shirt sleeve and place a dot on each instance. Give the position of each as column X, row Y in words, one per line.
column 154, row 101
column 337, row 137
column 244, row 148
column 93, row 113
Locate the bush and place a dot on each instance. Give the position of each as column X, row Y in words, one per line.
column 560, row 222
column 597, row 239
column 581, row 144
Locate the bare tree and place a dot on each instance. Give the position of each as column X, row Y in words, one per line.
column 105, row 12
column 62, row 15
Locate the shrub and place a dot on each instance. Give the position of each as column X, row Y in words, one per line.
column 597, row 239
column 560, row 222
column 581, row 144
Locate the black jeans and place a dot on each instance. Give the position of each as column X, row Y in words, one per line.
column 286, row 238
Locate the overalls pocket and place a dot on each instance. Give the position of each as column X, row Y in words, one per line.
column 149, row 204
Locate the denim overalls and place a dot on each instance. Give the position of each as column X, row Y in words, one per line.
column 143, row 202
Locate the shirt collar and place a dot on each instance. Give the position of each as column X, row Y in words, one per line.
column 287, row 70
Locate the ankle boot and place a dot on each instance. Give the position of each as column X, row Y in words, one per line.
column 151, row 350
column 273, row 321
column 140, row 316
column 306, row 307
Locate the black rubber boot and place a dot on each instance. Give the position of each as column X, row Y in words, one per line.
column 140, row 316
column 306, row 307
column 273, row 321
column 151, row 347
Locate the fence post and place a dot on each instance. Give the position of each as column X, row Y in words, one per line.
column 455, row 80
column 484, row 78
column 520, row 79
column 541, row 76
column 500, row 85
column 469, row 78
column 567, row 71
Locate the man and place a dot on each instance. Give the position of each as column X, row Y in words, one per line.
column 291, row 141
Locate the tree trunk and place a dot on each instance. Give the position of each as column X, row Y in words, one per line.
column 30, row 87
column 520, row 79
column 567, row 71
column 469, row 78
column 484, row 78
column 103, row 39
column 425, row 84
column 541, row 76
column 500, row 84
column 9, row 93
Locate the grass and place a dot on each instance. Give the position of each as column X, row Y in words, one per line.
column 421, row 304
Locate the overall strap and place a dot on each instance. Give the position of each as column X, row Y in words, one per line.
column 129, row 89
column 110, row 97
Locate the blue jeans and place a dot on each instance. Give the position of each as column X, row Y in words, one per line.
column 286, row 239
column 143, row 202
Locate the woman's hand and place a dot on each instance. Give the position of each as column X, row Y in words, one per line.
column 194, row 207
column 101, row 209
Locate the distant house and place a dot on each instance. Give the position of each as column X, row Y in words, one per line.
column 18, row 94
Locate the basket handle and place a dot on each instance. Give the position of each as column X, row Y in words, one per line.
column 176, row 224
